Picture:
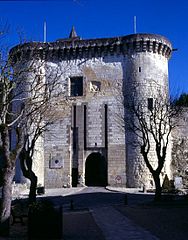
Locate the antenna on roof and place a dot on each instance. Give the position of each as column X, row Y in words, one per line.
column 134, row 24
column 44, row 31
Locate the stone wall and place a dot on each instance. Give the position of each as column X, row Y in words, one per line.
column 134, row 65
column 58, row 140
column 179, row 164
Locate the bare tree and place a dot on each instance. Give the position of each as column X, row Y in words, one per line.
column 35, row 129
column 26, row 155
column 152, row 124
column 148, row 123
column 7, row 122
column 27, row 86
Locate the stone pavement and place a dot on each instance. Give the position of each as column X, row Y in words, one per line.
column 80, row 225
column 103, row 223
column 116, row 226
column 98, row 223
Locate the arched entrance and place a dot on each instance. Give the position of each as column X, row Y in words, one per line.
column 95, row 170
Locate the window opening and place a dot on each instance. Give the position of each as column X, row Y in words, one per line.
column 95, row 86
column 76, row 86
column 150, row 104
column 85, row 127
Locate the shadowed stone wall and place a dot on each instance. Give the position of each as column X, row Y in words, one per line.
column 179, row 164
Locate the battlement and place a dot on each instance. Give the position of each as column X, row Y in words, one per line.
column 78, row 48
column 148, row 43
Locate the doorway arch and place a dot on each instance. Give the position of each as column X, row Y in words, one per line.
column 95, row 170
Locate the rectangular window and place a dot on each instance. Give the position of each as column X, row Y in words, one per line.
column 76, row 86
column 139, row 69
column 150, row 104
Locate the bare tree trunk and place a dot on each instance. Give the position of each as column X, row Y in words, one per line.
column 9, row 158
column 33, row 186
column 6, row 201
column 26, row 166
column 158, row 188
column 155, row 174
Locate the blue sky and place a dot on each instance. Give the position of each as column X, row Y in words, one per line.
column 104, row 18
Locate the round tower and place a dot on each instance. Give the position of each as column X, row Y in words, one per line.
column 145, row 79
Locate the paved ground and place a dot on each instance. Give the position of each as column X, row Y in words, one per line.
column 98, row 222
column 101, row 222
column 80, row 226
column 116, row 226
column 114, row 221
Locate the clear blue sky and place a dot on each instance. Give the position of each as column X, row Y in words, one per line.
column 105, row 18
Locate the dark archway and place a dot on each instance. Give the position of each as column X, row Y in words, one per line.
column 95, row 170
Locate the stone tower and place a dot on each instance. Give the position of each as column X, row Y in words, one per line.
column 86, row 146
column 145, row 79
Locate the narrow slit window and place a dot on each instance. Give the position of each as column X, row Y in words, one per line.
column 139, row 69
column 150, row 104
column 85, row 127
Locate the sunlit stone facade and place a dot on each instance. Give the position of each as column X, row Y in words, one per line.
column 86, row 144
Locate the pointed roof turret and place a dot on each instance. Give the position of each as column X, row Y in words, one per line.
column 73, row 34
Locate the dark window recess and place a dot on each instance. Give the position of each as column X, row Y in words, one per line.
column 150, row 104
column 85, row 127
column 74, row 130
column 76, row 86
column 75, row 139
column 74, row 116
column 74, row 177
column 106, row 124
column 139, row 69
